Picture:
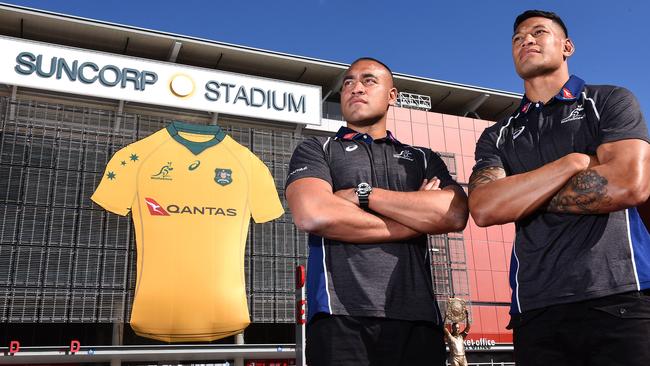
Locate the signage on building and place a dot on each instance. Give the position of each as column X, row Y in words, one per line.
column 476, row 344
column 77, row 71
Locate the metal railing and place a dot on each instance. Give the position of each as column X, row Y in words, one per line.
column 413, row 101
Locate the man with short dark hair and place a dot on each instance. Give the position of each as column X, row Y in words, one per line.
column 569, row 167
column 367, row 202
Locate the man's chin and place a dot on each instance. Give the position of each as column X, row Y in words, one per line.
column 533, row 72
column 362, row 122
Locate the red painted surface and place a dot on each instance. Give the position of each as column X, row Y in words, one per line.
column 14, row 347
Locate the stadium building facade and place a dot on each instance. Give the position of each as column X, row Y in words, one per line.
column 73, row 91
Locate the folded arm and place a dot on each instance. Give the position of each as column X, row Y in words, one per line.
column 317, row 210
column 496, row 199
column 619, row 181
column 426, row 211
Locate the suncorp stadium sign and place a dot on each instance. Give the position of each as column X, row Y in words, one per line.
column 57, row 68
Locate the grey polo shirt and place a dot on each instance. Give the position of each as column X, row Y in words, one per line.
column 391, row 280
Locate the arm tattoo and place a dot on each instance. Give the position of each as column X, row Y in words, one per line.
column 585, row 193
column 485, row 176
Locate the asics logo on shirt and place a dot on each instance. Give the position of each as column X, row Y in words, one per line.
column 575, row 114
column 351, row 148
column 518, row 132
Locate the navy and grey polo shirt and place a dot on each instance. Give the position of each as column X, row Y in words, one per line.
column 391, row 280
column 564, row 258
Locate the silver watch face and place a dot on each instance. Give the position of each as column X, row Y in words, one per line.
column 364, row 189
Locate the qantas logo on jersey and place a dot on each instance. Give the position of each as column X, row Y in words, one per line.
column 156, row 209
column 576, row 114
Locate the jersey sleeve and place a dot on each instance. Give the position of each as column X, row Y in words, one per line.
column 487, row 154
column 116, row 190
column 621, row 118
column 264, row 201
column 309, row 160
column 436, row 167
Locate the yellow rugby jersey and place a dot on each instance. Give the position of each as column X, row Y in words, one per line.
column 191, row 191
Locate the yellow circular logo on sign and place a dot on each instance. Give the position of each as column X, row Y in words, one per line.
column 182, row 85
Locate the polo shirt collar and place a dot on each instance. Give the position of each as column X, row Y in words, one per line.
column 348, row 134
column 569, row 92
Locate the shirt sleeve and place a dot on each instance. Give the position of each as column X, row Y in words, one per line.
column 621, row 118
column 436, row 167
column 309, row 160
column 116, row 190
column 264, row 200
column 487, row 154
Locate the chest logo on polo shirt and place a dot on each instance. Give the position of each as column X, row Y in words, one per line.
column 517, row 132
column 351, row 148
column 404, row 154
column 575, row 114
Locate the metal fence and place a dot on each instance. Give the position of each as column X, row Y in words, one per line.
column 65, row 259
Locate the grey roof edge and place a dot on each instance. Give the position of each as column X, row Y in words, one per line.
column 174, row 36
column 458, row 85
column 170, row 35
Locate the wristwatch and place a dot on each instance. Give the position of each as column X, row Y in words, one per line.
column 363, row 191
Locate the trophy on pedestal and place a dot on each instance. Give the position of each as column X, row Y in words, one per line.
column 455, row 314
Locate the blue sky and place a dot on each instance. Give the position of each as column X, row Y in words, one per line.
column 459, row 41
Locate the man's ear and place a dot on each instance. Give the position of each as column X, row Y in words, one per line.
column 392, row 96
column 568, row 49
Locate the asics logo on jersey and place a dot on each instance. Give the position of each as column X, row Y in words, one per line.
column 163, row 174
column 575, row 114
column 154, row 208
column 404, row 154
column 518, row 132
column 351, row 148
column 194, row 165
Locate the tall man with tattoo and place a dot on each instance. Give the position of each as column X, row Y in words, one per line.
column 569, row 167
column 367, row 201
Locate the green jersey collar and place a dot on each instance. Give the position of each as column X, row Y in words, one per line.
column 195, row 147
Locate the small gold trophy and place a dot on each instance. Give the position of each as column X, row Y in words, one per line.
column 456, row 310
column 455, row 314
